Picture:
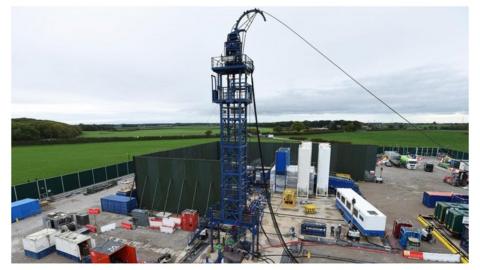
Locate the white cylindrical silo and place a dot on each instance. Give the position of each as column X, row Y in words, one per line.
column 304, row 163
column 323, row 168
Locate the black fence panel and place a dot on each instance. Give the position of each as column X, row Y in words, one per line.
column 14, row 196
column 86, row 178
column 122, row 168
column 100, row 175
column 112, row 172
column 27, row 190
column 54, row 185
column 70, row 182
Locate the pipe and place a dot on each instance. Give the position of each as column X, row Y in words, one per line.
column 437, row 234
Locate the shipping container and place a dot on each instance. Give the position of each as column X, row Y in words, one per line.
column 282, row 160
column 458, row 198
column 430, row 198
column 465, row 238
column 73, row 245
column 455, row 219
column 127, row 193
column 118, row 204
column 25, row 208
column 335, row 182
column 441, row 209
column 40, row 244
column 113, row 252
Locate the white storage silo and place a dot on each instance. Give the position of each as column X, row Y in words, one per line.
column 323, row 168
column 304, row 164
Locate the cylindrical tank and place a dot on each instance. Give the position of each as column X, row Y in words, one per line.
column 323, row 168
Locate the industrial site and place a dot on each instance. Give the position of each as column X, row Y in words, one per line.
column 250, row 194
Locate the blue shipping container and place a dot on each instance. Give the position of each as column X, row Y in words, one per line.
column 335, row 182
column 282, row 160
column 118, row 204
column 457, row 198
column 430, row 198
column 25, row 208
column 127, row 193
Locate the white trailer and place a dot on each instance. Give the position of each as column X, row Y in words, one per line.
column 359, row 212
column 73, row 245
column 40, row 244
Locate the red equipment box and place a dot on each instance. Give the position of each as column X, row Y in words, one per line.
column 189, row 220
column 127, row 226
column 91, row 228
column 94, row 211
column 397, row 225
column 113, row 252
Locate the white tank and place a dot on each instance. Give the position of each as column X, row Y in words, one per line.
column 323, row 168
column 304, row 164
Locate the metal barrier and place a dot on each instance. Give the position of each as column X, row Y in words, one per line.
column 42, row 188
column 424, row 151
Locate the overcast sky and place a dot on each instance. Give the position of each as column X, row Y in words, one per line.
column 139, row 65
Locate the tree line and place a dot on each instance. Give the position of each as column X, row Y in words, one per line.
column 27, row 129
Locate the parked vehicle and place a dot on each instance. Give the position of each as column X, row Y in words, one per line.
column 408, row 162
column 393, row 157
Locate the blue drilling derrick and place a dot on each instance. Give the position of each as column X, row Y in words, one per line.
column 232, row 91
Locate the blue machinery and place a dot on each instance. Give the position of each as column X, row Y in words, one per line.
column 232, row 90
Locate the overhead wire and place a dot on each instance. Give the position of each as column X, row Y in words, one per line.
column 353, row 78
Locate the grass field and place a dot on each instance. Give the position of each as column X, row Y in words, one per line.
column 30, row 162
column 455, row 140
column 161, row 131
column 42, row 161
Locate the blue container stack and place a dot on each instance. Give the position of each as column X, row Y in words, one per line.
column 458, row 198
column 430, row 198
column 282, row 160
column 335, row 182
column 127, row 193
column 25, row 208
column 406, row 232
column 118, row 204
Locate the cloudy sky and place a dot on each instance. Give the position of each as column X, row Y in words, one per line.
column 139, row 65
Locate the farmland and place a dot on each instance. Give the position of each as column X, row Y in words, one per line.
column 41, row 161
column 159, row 131
column 30, row 162
column 455, row 140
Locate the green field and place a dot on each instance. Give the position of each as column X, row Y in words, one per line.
column 42, row 161
column 451, row 139
column 160, row 131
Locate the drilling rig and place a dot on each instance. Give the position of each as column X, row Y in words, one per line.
column 238, row 210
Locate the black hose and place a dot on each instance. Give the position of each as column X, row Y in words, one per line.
column 262, row 174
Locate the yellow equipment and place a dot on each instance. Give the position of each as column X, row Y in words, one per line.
column 310, row 208
column 289, row 199
column 344, row 175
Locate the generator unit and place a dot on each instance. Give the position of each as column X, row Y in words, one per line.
column 309, row 227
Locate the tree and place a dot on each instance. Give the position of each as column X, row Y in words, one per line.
column 297, row 126
column 350, row 127
column 208, row 132
column 277, row 129
column 252, row 131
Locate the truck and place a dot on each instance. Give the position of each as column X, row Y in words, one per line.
column 408, row 162
column 393, row 157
